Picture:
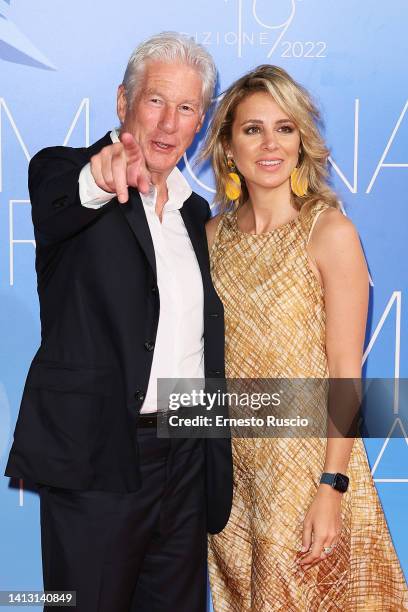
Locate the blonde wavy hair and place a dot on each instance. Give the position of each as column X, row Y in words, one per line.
column 300, row 108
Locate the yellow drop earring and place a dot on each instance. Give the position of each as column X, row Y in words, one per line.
column 298, row 185
column 233, row 183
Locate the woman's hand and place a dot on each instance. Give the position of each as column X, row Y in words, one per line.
column 322, row 525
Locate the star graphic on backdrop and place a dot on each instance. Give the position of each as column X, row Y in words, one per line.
column 15, row 46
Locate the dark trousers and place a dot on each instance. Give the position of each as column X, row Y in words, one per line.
column 143, row 551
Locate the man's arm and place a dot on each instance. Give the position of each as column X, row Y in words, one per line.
column 68, row 193
column 53, row 185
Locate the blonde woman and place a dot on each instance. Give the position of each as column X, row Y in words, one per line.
column 290, row 271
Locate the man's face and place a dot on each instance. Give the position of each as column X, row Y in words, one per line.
column 165, row 115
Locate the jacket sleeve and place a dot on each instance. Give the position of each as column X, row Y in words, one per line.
column 53, row 185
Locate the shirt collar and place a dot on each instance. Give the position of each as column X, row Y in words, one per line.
column 178, row 188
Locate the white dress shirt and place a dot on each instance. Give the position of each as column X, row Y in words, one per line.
column 179, row 347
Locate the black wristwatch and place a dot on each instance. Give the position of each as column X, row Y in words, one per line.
column 338, row 481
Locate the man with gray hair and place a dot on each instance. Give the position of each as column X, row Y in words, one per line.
column 126, row 299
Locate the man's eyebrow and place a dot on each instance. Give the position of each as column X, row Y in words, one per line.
column 193, row 102
column 151, row 91
column 156, row 92
column 260, row 122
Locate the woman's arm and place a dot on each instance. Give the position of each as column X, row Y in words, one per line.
column 336, row 253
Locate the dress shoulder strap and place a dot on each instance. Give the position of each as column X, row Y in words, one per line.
column 315, row 214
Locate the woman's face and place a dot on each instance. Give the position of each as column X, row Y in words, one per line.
column 264, row 142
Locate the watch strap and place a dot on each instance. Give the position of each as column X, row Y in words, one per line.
column 327, row 478
column 339, row 482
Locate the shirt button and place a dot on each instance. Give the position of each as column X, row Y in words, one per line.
column 149, row 346
column 139, row 396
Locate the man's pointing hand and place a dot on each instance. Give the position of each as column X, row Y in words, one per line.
column 119, row 166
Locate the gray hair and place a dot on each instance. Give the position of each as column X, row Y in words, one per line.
column 170, row 47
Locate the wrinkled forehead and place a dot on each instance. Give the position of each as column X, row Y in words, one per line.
column 174, row 80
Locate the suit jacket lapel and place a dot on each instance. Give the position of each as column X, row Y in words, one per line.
column 133, row 210
column 196, row 233
column 136, row 217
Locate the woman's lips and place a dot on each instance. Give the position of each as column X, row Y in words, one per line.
column 269, row 164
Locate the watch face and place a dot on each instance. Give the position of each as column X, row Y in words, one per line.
column 341, row 483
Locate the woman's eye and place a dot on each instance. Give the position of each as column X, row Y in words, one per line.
column 186, row 108
column 253, row 129
column 287, row 129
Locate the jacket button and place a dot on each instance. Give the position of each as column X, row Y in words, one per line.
column 60, row 202
column 214, row 372
column 139, row 396
column 149, row 346
column 154, row 289
column 214, row 315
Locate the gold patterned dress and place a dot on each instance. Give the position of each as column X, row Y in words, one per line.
column 275, row 328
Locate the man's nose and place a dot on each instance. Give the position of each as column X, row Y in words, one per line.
column 168, row 120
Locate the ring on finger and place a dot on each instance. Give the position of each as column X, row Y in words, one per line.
column 328, row 550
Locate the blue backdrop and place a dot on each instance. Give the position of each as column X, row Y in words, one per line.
column 60, row 64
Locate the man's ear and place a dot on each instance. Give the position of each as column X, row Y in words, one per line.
column 200, row 123
column 121, row 103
